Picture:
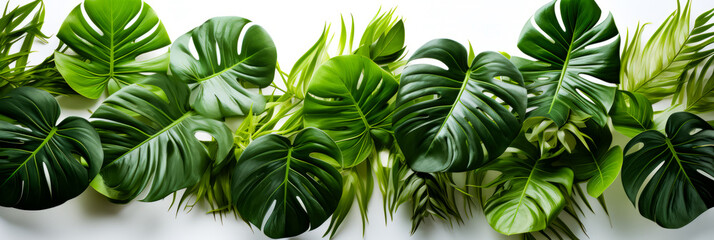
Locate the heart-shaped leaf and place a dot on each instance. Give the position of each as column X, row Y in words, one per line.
column 578, row 60
column 532, row 193
column 42, row 163
column 148, row 136
column 673, row 172
column 108, row 40
column 275, row 173
column 230, row 53
column 631, row 114
column 348, row 98
column 596, row 163
column 457, row 117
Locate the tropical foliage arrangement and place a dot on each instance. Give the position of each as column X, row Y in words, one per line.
column 518, row 137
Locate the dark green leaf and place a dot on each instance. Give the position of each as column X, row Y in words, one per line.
column 148, row 136
column 348, row 98
column 302, row 190
column 223, row 66
column 457, row 118
column 672, row 172
column 107, row 59
column 42, row 163
column 572, row 70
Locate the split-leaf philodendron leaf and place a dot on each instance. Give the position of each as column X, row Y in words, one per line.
column 532, row 193
column 577, row 62
column 42, row 163
column 287, row 177
column 457, row 117
column 148, row 136
column 348, row 98
column 108, row 41
column 673, row 172
column 230, row 55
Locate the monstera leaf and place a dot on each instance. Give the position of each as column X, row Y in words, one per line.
column 42, row 163
column 577, row 62
column 107, row 56
column 596, row 163
column 681, row 166
column 302, row 190
column 631, row 114
column 457, row 117
column 348, row 98
column 230, row 54
column 148, row 137
column 532, row 193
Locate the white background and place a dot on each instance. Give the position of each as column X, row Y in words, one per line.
column 294, row 26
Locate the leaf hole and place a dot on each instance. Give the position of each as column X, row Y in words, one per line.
column 241, row 36
column 135, row 18
column 705, row 174
column 192, row 48
column 583, row 95
column 601, row 43
column 596, row 80
column 268, row 213
column 89, row 20
column 638, row 146
column 203, row 136
column 695, row 131
column 47, row 177
column 359, row 80
column 647, row 180
column 428, row 61
column 148, row 33
column 537, row 28
column 218, row 53
column 559, row 15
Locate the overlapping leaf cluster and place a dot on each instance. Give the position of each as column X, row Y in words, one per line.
column 524, row 132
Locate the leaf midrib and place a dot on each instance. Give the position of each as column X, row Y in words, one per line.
column 562, row 75
column 153, row 136
column 32, row 155
column 670, row 147
column 523, row 193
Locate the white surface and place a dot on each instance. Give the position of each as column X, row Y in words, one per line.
column 294, row 26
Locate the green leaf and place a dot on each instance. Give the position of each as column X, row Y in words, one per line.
column 632, row 113
column 357, row 184
column 457, row 118
column 532, row 194
column 107, row 59
column 430, row 195
column 348, row 98
column 148, row 136
column 302, row 191
column 596, row 163
column 672, row 172
column 698, row 88
column 576, row 63
column 654, row 69
column 677, row 50
column 389, row 47
column 42, row 163
column 223, row 67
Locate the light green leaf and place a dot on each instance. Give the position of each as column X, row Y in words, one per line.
column 698, row 90
column 654, row 68
column 107, row 59
column 532, row 192
column 631, row 114
column 348, row 98
column 223, row 69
